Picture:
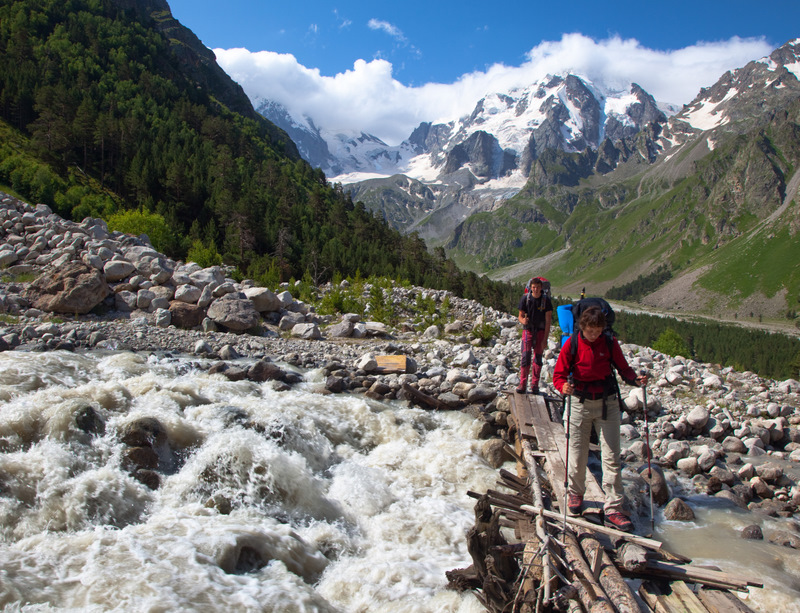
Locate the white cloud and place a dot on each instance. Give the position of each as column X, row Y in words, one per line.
column 393, row 31
column 367, row 98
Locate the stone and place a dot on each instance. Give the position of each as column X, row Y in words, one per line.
column 752, row 533
column 264, row 300
column 688, row 466
column 784, row 538
column 698, row 417
column 678, row 510
column 495, row 453
column 761, row 488
column 732, row 444
column 188, row 293
column 731, row 497
column 308, row 331
column 163, row 318
column 234, row 312
column 344, row 329
column 117, row 270
column 481, row 394
column 185, row 315
column 75, row 288
column 654, row 477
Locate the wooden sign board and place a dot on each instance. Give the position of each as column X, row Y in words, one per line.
column 388, row 364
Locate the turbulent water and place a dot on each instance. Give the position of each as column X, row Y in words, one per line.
column 329, row 503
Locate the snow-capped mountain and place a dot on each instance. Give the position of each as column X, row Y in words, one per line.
column 738, row 99
column 501, row 136
column 335, row 153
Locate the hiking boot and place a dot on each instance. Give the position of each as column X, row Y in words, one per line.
column 521, row 389
column 574, row 504
column 535, row 390
column 618, row 521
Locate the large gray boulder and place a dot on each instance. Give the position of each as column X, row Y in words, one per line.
column 264, row 300
column 75, row 288
column 235, row 312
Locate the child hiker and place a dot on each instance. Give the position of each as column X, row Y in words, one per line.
column 594, row 403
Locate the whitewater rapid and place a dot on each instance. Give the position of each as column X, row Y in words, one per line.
column 273, row 501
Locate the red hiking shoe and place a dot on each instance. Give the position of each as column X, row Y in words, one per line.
column 619, row 521
column 574, row 504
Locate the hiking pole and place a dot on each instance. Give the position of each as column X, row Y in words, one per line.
column 566, row 460
column 649, row 466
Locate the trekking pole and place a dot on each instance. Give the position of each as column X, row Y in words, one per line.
column 649, row 466
column 566, row 460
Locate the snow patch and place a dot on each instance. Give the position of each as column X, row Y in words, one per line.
column 794, row 68
column 705, row 115
column 356, row 177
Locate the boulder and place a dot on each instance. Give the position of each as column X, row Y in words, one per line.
column 188, row 293
column 235, row 312
column 343, row 329
column 752, row 533
column 678, row 510
column 308, row 331
column 698, row 417
column 75, row 288
column 495, row 453
column 185, row 315
column 117, row 270
column 263, row 299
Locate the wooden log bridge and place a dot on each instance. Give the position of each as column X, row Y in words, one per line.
column 554, row 562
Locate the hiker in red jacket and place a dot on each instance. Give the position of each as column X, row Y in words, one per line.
column 594, row 403
column 535, row 315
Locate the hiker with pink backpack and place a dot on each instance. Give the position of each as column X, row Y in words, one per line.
column 536, row 316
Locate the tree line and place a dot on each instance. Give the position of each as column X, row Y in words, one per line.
column 101, row 117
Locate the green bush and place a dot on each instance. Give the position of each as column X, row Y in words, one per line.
column 672, row 343
column 139, row 221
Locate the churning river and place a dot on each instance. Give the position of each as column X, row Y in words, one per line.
column 269, row 501
column 330, row 503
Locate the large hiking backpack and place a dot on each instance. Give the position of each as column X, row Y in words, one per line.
column 584, row 303
column 608, row 333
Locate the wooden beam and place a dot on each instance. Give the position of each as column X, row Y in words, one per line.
column 391, row 364
column 719, row 601
column 639, row 540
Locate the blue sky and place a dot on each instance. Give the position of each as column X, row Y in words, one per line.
column 385, row 66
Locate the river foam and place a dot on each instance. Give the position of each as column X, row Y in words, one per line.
column 290, row 501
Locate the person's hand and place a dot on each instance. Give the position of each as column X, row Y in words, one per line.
column 642, row 380
column 568, row 389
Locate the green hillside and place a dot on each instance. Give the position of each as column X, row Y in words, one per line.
column 112, row 106
column 718, row 221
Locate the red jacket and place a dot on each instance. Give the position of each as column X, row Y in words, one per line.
column 592, row 364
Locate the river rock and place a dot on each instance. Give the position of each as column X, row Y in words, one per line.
column 785, row 539
column 234, row 312
column 185, row 315
column 678, row 510
column 752, row 533
column 188, row 293
column 761, row 488
column 657, row 482
column 732, row 444
column 264, row 300
column 116, row 270
column 481, row 394
column 343, row 329
column 495, row 453
column 698, row 417
column 75, row 288
column 308, row 331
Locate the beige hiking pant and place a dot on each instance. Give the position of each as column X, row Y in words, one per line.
column 582, row 416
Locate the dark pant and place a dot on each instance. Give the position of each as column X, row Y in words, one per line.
column 535, row 349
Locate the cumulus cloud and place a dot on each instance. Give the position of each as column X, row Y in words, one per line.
column 368, row 98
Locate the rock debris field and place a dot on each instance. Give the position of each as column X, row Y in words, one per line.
column 76, row 286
